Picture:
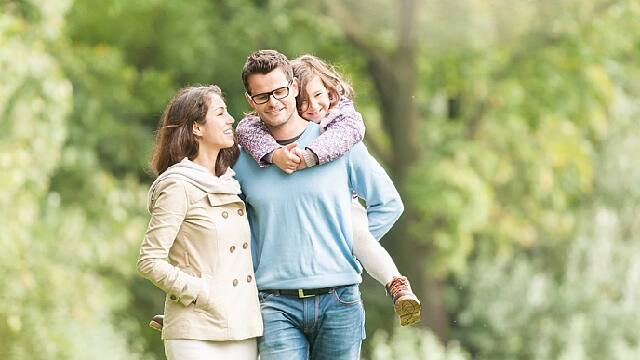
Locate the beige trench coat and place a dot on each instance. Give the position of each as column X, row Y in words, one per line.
column 197, row 249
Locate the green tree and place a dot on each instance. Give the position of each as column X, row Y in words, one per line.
column 586, row 308
column 122, row 77
column 490, row 114
column 498, row 121
column 56, row 303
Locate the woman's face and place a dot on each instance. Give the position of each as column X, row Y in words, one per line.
column 217, row 131
column 317, row 104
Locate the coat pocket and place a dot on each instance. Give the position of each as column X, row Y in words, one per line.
column 210, row 301
column 187, row 263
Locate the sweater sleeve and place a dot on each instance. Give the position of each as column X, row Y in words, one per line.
column 344, row 128
column 369, row 181
column 168, row 211
column 255, row 139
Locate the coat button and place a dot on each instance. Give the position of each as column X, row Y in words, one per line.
column 249, row 278
column 173, row 297
column 245, row 245
column 235, row 282
column 225, row 214
column 232, row 248
column 240, row 212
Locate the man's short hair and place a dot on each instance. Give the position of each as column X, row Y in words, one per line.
column 264, row 62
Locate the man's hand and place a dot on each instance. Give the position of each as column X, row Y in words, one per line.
column 286, row 158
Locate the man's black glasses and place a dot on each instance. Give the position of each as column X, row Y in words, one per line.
column 279, row 93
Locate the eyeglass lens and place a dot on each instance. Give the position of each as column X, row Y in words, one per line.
column 279, row 93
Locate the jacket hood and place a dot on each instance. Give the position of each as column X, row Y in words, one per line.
column 198, row 176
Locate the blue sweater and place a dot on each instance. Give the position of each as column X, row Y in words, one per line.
column 301, row 223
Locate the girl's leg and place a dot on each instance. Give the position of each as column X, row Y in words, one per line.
column 379, row 264
column 373, row 257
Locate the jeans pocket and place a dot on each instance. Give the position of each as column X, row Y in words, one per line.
column 264, row 296
column 348, row 295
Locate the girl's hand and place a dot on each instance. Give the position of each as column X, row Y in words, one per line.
column 300, row 153
column 286, row 158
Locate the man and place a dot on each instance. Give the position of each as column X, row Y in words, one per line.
column 301, row 227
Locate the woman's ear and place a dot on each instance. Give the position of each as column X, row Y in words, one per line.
column 197, row 130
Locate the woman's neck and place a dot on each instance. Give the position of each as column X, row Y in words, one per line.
column 207, row 158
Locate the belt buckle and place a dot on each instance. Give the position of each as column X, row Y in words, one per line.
column 301, row 294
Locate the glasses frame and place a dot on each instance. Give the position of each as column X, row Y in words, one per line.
column 272, row 93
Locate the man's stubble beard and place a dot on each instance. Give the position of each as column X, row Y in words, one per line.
column 279, row 125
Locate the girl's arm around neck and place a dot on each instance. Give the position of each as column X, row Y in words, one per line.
column 344, row 128
column 256, row 140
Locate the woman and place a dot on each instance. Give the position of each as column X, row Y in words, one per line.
column 197, row 246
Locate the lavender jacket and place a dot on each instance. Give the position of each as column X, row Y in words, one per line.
column 343, row 127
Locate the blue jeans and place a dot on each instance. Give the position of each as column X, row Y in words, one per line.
column 327, row 326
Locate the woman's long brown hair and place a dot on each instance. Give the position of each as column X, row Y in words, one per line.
column 174, row 136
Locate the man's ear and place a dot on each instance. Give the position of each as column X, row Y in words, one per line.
column 295, row 86
column 197, row 131
column 246, row 96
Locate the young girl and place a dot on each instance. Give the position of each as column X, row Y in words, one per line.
column 325, row 98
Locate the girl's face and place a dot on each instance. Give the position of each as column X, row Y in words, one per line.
column 317, row 104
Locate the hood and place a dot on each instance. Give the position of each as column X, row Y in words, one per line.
column 198, row 176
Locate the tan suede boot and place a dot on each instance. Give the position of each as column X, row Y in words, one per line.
column 405, row 302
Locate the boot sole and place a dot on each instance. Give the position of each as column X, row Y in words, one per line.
column 408, row 310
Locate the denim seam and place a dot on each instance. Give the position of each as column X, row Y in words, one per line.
column 316, row 307
column 305, row 315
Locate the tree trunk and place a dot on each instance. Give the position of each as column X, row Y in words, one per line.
column 394, row 75
column 395, row 82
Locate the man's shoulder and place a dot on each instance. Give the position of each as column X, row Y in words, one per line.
column 359, row 159
column 246, row 167
column 312, row 130
column 358, row 150
column 243, row 163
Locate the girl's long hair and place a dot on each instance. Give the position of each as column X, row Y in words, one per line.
column 306, row 67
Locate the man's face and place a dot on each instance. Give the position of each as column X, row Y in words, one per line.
column 274, row 112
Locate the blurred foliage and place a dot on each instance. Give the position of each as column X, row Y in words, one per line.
column 62, row 258
column 587, row 307
column 514, row 160
column 414, row 344
column 522, row 199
